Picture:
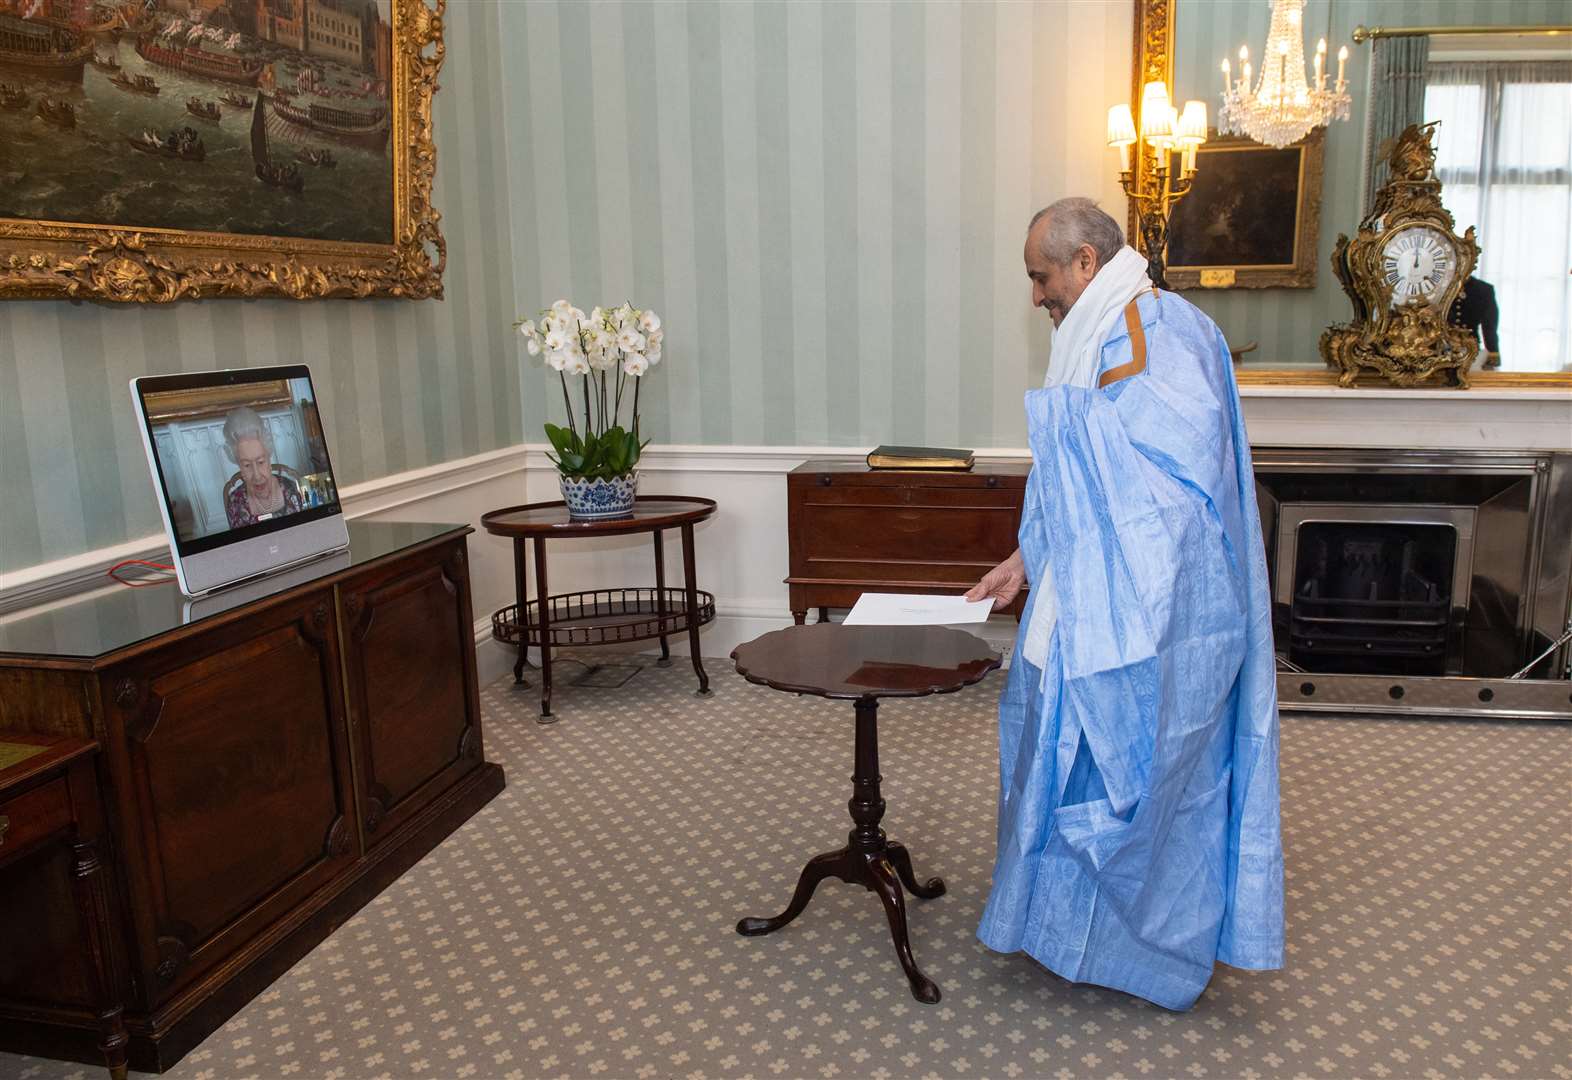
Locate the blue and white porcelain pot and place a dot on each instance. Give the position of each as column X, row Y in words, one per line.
column 598, row 499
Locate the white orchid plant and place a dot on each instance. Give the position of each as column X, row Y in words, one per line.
column 608, row 349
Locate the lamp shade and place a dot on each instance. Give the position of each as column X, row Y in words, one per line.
column 1192, row 124
column 1121, row 126
column 1157, row 113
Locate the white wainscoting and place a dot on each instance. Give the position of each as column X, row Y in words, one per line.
column 741, row 551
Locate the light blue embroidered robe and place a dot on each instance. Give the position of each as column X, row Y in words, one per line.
column 1139, row 837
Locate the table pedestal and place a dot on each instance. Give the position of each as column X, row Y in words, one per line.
column 869, row 859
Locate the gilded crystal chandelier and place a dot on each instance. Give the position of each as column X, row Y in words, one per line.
column 1282, row 107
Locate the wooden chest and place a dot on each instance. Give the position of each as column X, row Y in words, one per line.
column 854, row 529
column 265, row 770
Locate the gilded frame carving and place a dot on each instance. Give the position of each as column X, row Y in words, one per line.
column 1152, row 58
column 50, row 259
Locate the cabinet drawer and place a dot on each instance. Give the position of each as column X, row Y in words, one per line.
column 813, row 499
column 32, row 816
column 922, row 534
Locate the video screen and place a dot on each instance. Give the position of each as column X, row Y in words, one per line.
column 239, row 455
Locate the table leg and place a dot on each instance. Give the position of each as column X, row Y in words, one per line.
column 824, row 614
column 96, row 917
column 800, row 617
column 868, row 859
column 543, row 595
column 691, row 577
column 521, row 597
column 660, row 595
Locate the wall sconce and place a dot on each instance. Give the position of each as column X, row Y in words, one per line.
column 1148, row 175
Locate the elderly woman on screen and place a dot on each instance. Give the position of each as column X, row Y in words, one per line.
column 261, row 492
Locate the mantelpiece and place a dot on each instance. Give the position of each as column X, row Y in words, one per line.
column 1478, row 419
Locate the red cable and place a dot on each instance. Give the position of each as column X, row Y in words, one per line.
column 113, row 572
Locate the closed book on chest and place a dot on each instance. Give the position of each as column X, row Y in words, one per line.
column 918, row 457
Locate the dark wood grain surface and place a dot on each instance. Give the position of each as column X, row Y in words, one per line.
column 837, row 661
column 551, row 518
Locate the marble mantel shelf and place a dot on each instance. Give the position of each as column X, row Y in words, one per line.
column 1393, row 393
column 1481, row 419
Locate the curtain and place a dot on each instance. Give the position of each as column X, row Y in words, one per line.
column 1396, row 99
column 1504, row 159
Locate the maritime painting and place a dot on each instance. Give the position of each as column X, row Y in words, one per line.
column 281, row 124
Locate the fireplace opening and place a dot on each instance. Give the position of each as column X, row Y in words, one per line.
column 1373, row 597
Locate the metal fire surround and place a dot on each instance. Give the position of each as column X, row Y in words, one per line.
column 1448, row 696
column 1548, row 578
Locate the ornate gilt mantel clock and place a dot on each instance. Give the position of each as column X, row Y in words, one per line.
column 1402, row 271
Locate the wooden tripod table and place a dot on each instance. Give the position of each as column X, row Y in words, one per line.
column 862, row 664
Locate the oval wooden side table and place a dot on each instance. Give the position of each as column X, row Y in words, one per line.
column 862, row 664
column 600, row 616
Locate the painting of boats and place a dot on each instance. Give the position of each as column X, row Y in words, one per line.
column 366, row 127
column 184, row 145
column 320, row 158
column 282, row 123
column 43, row 48
column 204, row 110
column 136, row 84
column 58, row 113
column 274, row 174
column 196, row 60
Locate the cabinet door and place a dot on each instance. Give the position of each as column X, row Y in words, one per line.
column 414, row 703
column 233, row 781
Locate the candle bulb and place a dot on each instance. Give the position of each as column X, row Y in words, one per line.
column 1247, row 76
column 1342, row 61
column 1226, row 86
column 1320, row 56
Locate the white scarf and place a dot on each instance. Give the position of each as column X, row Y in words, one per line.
column 1078, row 342
column 1076, row 356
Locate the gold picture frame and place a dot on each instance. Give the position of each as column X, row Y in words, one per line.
column 217, row 400
column 42, row 259
column 1232, row 165
column 1152, row 59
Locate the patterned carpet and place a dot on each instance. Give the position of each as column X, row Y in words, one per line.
column 582, row 925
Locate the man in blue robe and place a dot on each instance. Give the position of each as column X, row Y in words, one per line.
column 1139, row 837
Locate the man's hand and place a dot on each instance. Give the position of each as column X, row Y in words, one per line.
column 1002, row 583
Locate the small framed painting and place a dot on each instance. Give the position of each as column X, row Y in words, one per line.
column 1251, row 218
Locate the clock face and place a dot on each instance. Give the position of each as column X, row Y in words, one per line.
column 1418, row 264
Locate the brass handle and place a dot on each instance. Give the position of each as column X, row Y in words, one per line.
column 5, row 824
column 993, row 481
column 824, row 481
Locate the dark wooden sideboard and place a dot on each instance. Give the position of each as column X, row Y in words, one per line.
column 854, row 529
column 265, row 772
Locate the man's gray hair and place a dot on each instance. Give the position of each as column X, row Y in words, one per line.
column 1073, row 222
column 245, row 423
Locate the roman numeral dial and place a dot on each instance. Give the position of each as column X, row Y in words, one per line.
column 1418, row 264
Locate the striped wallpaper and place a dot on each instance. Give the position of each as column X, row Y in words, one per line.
column 1286, row 324
column 825, row 201
column 403, row 384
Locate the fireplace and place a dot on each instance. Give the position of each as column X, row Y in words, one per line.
column 1392, row 565
column 1375, row 588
